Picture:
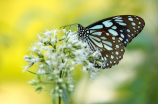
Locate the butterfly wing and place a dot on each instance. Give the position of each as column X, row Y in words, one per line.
column 111, row 49
column 111, row 35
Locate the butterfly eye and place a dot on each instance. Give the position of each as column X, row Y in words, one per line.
column 111, row 36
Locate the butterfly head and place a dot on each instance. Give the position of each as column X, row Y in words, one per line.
column 81, row 30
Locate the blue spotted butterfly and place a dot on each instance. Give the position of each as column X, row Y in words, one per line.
column 110, row 36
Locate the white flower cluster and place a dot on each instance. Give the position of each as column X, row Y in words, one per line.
column 57, row 58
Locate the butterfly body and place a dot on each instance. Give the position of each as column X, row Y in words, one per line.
column 110, row 36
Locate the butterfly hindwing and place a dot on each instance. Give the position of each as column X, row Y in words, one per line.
column 111, row 49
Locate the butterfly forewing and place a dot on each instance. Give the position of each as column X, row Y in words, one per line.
column 125, row 27
column 110, row 36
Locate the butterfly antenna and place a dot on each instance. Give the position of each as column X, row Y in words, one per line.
column 68, row 25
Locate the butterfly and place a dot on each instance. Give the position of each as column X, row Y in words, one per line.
column 110, row 36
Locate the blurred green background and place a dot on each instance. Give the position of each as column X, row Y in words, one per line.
column 133, row 81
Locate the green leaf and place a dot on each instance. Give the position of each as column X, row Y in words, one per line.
column 61, row 39
column 54, row 100
column 38, row 88
column 65, row 97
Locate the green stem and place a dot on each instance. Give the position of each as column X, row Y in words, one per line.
column 59, row 95
column 59, row 100
column 31, row 71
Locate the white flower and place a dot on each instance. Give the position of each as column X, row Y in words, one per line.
column 90, row 65
column 48, row 62
column 48, row 33
column 73, row 62
column 53, row 56
column 27, row 58
column 27, row 67
column 40, row 44
column 35, row 49
column 41, row 66
column 52, row 41
column 58, row 60
column 57, row 87
column 60, row 91
column 71, row 68
column 85, row 44
column 71, row 86
column 61, row 66
column 40, row 38
column 60, row 80
column 96, row 54
column 55, row 71
column 46, row 40
column 69, row 46
column 84, row 69
column 36, row 59
column 55, row 32
column 64, row 31
column 41, row 71
column 73, row 39
column 62, row 55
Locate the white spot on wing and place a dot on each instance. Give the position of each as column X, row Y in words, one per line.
column 128, row 30
column 105, row 58
column 97, row 27
column 113, row 32
column 122, row 35
column 118, row 20
column 130, row 19
column 117, row 17
column 112, row 56
column 129, row 35
column 103, row 38
column 114, row 27
column 97, row 33
column 108, row 43
column 91, row 31
column 107, row 47
column 117, row 46
column 120, row 38
column 107, row 23
column 123, row 24
column 99, row 44
column 93, row 37
column 107, row 34
column 133, row 23
column 116, row 53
